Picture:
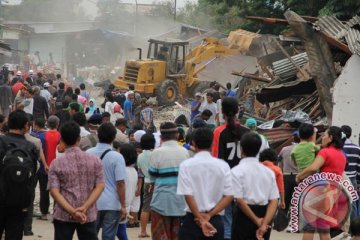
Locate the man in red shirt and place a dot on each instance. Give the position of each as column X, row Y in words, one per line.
column 50, row 140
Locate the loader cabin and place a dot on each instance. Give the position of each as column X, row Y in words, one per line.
column 172, row 52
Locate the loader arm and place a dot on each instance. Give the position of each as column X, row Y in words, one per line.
column 210, row 49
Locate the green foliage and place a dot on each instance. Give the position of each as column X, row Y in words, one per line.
column 227, row 15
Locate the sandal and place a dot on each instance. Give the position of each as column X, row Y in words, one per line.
column 144, row 235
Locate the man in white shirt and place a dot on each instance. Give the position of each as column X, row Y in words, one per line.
column 206, row 183
column 255, row 192
column 45, row 92
column 121, row 126
column 210, row 105
column 219, row 115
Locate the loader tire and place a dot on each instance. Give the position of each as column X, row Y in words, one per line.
column 167, row 92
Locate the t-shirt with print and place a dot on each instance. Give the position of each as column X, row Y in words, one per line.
column 225, row 146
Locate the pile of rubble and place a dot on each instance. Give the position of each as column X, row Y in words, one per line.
column 295, row 80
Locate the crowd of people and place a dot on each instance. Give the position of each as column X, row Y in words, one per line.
column 111, row 168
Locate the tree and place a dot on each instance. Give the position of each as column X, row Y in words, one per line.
column 227, row 15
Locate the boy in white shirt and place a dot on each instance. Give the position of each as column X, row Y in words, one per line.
column 255, row 192
column 205, row 182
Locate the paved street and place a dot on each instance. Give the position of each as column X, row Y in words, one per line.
column 43, row 230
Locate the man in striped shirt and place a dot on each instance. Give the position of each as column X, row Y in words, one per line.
column 167, row 207
column 352, row 169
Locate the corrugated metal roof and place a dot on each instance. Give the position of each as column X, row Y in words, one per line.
column 332, row 26
column 340, row 30
column 286, row 69
column 353, row 39
column 355, row 20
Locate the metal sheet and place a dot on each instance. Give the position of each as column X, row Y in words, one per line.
column 285, row 69
column 340, row 30
column 332, row 26
column 353, row 39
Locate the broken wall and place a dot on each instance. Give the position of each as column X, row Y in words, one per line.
column 346, row 98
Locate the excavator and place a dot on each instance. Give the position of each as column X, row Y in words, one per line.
column 169, row 70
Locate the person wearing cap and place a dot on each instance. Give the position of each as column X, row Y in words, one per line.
column 195, row 105
column 17, row 78
column 167, row 207
column 30, row 79
column 45, row 92
column 252, row 124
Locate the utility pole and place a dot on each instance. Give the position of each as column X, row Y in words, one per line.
column 175, row 12
column 136, row 17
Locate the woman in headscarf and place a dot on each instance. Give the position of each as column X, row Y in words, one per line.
column 91, row 109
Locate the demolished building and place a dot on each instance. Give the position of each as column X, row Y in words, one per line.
column 316, row 81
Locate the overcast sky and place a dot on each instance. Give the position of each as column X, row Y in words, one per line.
column 90, row 5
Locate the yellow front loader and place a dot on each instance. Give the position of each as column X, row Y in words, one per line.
column 168, row 71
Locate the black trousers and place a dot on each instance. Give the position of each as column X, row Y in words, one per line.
column 12, row 222
column 189, row 230
column 245, row 229
column 30, row 210
column 289, row 185
column 44, row 193
column 66, row 230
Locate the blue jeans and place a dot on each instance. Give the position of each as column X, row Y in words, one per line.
column 354, row 207
column 358, row 205
column 108, row 220
column 227, row 220
column 121, row 232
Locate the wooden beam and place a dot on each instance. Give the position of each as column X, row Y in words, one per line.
column 252, row 76
column 305, row 74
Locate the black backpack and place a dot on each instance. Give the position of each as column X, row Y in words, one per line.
column 16, row 177
column 59, row 99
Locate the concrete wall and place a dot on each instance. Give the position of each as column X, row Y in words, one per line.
column 346, row 98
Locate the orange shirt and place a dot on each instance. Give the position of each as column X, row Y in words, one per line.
column 278, row 174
